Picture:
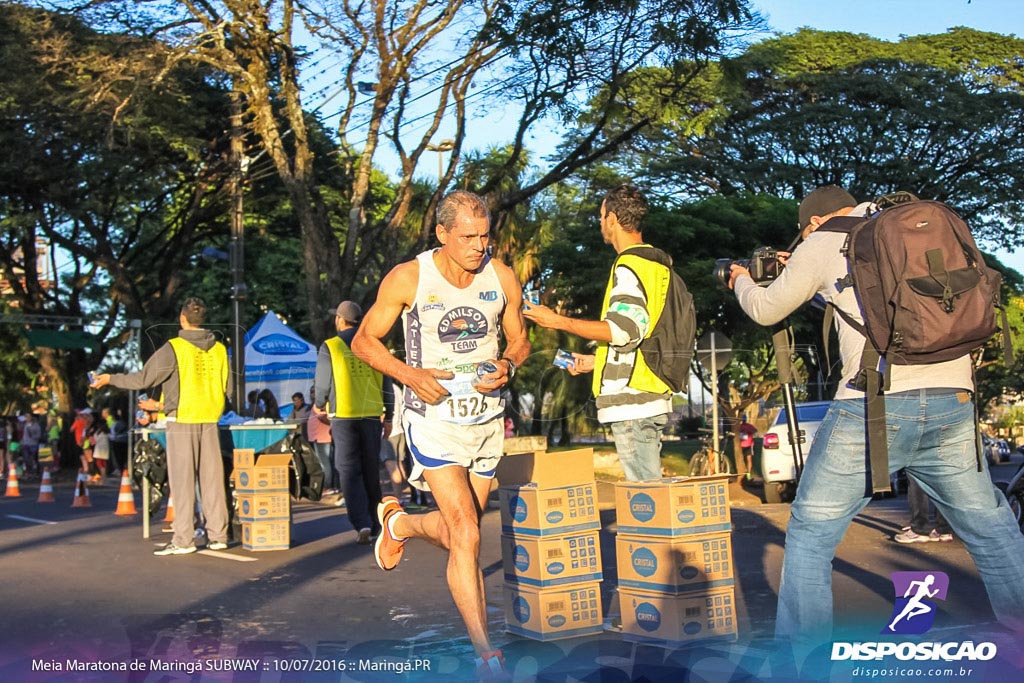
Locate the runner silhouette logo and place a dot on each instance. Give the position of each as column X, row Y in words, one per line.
column 914, row 611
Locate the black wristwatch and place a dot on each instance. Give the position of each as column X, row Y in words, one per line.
column 511, row 367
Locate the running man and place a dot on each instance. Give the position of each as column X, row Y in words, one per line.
column 915, row 606
column 454, row 300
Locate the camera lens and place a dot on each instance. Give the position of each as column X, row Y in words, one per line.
column 721, row 271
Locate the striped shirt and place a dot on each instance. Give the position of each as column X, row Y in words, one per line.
column 629, row 320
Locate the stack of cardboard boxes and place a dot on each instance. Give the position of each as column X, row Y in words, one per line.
column 549, row 546
column 263, row 499
column 675, row 563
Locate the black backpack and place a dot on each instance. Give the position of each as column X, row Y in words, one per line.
column 668, row 349
column 306, row 472
column 924, row 292
column 149, row 468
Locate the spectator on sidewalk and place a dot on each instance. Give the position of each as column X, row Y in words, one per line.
column 921, row 530
column 318, row 433
column 31, row 437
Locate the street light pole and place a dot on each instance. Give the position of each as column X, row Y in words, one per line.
column 445, row 145
column 237, row 254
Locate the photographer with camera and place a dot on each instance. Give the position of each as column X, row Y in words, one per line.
column 931, row 432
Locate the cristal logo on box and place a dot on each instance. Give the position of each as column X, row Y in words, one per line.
column 517, row 508
column 641, row 506
column 554, row 517
column 521, row 610
column 644, row 562
column 689, row 572
column 556, row 621
column 556, row 568
column 521, row 558
column 647, row 617
column 913, row 614
column 686, row 516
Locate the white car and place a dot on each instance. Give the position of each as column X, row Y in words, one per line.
column 777, row 465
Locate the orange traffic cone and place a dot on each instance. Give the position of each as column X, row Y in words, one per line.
column 81, row 493
column 125, row 499
column 13, row 491
column 169, row 517
column 46, row 488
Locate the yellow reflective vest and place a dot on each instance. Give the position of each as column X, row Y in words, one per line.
column 358, row 388
column 203, row 379
column 654, row 278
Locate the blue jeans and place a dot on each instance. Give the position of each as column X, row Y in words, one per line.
column 932, row 434
column 638, row 444
column 357, row 458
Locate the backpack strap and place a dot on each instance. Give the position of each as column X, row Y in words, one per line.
column 826, row 328
column 877, row 442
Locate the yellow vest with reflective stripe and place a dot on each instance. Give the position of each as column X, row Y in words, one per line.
column 202, row 381
column 358, row 388
column 654, row 279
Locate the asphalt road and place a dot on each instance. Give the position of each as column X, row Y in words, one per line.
column 80, row 587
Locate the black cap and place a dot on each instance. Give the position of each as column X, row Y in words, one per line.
column 823, row 201
column 350, row 312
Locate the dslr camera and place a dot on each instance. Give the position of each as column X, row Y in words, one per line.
column 764, row 266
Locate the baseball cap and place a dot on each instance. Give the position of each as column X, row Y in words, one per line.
column 350, row 312
column 823, row 201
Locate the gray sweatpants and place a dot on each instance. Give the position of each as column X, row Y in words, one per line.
column 195, row 449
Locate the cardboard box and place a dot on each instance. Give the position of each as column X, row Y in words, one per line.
column 553, row 613
column 547, row 470
column 266, row 535
column 672, row 620
column 551, row 561
column 245, row 457
column 270, row 473
column 525, row 444
column 675, row 565
column 673, row 507
column 532, row 511
column 264, row 507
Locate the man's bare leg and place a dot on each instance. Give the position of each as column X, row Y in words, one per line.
column 455, row 526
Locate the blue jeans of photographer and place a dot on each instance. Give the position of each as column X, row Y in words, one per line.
column 638, row 444
column 931, row 432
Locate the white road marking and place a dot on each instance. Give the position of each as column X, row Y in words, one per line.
column 31, row 519
column 226, row 556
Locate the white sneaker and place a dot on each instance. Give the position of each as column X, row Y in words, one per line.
column 908, row 536
column 171, row 549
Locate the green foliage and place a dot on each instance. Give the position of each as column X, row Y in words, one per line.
column 942, row 116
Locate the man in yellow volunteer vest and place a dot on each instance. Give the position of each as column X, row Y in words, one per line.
column 355, row 396
column 192, row 368
column 630, row 397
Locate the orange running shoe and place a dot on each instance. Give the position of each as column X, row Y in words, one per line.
column 388, row 549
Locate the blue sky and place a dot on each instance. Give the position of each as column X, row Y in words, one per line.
column 890, row 19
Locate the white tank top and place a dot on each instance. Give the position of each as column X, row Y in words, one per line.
column 454, row 329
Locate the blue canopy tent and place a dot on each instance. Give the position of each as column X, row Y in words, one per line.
column 278, row 359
